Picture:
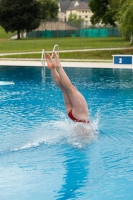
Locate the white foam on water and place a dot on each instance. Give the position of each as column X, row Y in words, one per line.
column 6, row 83
column 62, row 132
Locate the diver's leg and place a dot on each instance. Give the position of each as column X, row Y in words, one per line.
column 79, row 105
column 56, row 78
column 63, row 76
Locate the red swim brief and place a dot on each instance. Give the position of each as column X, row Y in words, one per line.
column 77, row 120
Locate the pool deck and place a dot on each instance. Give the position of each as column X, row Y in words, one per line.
column 68, row 63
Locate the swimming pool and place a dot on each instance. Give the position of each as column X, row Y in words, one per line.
column 40, row 155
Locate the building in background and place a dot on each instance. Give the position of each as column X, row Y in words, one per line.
column 63, row 7
column 81, row 9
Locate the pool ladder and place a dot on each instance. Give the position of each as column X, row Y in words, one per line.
column 54, row 49
column 43, row 60
column 43, row 64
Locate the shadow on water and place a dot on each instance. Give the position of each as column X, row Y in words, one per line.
column 77, row 172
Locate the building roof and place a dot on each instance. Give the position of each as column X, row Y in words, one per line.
column 72, row 5
column 82, row 5
column 65, row 5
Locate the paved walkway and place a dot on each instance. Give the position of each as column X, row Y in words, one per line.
column 63, row 51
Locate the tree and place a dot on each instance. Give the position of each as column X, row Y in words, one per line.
column 19, row 15
column 125, row 18
column 102, row 12
column 74, row 20
column 49, row 9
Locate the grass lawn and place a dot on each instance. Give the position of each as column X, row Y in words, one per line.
column 67, row 43
column 3, row 34
column 64, row 44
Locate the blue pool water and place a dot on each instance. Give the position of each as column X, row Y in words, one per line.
column 43, row 158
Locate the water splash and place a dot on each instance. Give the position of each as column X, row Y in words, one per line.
column 61, row 132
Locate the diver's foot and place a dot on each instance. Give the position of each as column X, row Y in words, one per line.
column 56, row 60
column 50, row 63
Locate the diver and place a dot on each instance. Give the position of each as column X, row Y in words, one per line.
column 76, row 105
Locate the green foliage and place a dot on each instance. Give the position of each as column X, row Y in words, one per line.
column 125, row 18
column 102, row 12
column 114, row 7
column 112, row 12
column 75, row 21
column 49, row 9
column 19, row 15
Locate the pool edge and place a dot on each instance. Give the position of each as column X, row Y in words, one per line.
column 66, row 64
